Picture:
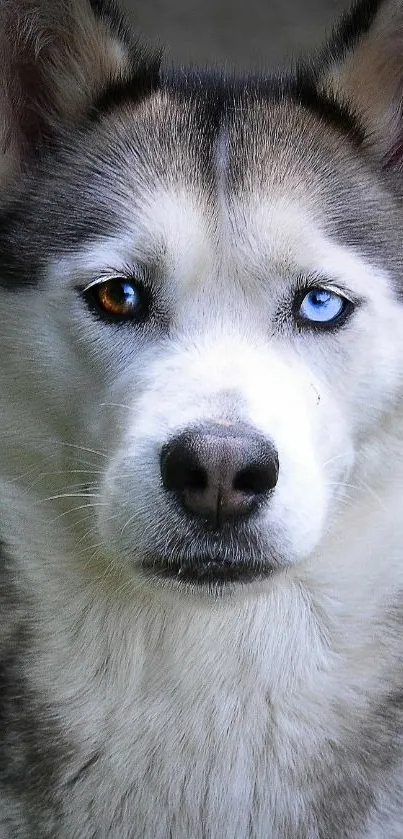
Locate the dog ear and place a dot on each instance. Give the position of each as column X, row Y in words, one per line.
column 56, row 58
column 362, row 67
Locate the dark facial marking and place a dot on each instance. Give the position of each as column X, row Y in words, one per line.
column 144, row 81
column 108, row 11
column 353, row 25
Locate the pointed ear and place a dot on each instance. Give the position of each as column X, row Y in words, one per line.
column 56, row 58
column 363, row 68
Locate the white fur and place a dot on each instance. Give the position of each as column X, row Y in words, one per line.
column 168, row 711
column 202, row 706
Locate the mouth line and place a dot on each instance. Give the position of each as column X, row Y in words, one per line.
column 207, row 571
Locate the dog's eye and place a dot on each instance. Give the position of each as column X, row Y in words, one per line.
column 119, row 299
column 322, row 307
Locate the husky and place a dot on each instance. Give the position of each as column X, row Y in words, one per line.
column 201, row 436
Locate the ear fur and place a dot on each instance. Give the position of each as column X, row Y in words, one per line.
column 362, row 67
column 56, row 58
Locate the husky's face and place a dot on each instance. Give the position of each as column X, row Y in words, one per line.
column 207, row 302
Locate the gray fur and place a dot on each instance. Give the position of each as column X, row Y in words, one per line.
column 135, row 704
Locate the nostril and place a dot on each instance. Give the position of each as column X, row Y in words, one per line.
column 197, row 478
column 256, row 479
column 180, row 469
column 249, row 481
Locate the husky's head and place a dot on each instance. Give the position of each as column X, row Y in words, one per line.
column 200, row 282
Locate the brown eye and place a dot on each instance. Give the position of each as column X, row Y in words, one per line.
column 119, row 299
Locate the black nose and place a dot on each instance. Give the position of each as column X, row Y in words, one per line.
column 219, row 472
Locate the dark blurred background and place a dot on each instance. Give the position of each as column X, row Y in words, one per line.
column 247, row 34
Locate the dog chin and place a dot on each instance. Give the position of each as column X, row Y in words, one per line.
column 208, row 572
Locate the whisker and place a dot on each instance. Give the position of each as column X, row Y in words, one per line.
column 80, row 507
column 114, row 405
column 69, row 495
column 335, row 457
column 343, row 484
column 373, row 494
column 85, row 449
column 73, row 472
column 129, row 521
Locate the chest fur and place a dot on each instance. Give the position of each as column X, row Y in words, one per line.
column 224, row 722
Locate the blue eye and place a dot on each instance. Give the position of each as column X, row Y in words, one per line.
column 320, row 306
